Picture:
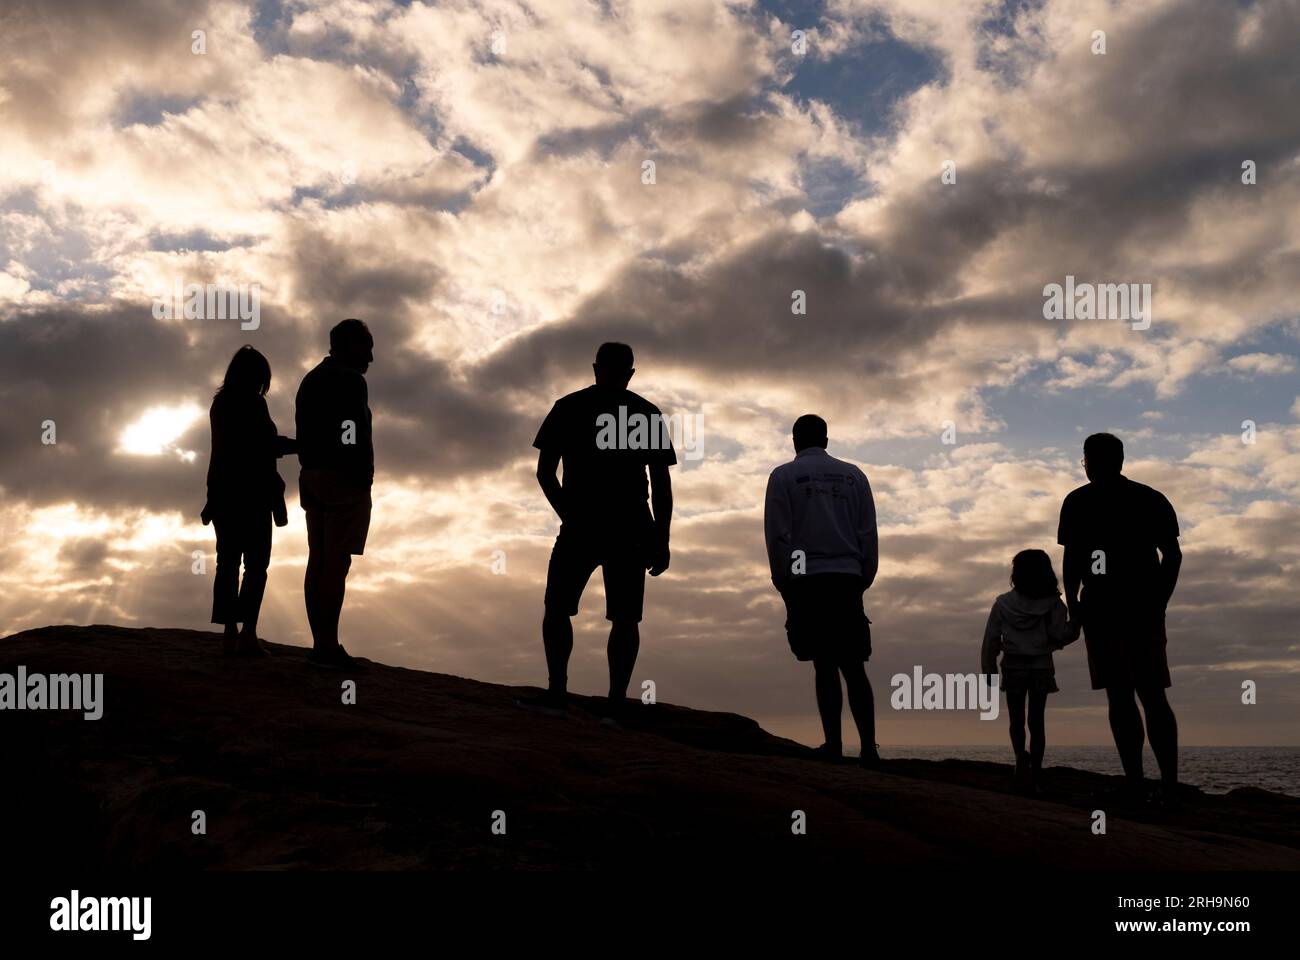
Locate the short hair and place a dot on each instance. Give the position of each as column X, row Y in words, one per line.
column 350, row 332
column 614, row 356
column 1104, row 453
column 809, row 431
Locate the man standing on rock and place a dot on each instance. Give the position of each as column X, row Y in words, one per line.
column 822, row 546
column 1121, row 546
column 605, row 518
column 337, row 455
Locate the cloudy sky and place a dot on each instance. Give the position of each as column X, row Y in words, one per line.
column 470, row 178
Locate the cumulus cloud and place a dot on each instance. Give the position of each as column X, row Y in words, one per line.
column 472, row 178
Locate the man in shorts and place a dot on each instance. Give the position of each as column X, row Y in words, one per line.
column 337, row 455
column 820, row 523
column 1121, row 547
column 607, row 438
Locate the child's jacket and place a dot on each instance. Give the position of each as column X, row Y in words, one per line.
column 1026, row 629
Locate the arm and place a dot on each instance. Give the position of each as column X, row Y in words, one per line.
column 868, row 538
column 1059, row 633
column 547, row 463
column 1171, row 561
column 777, row 530
column 1076, row 561
column 365, row 432
column 992, row 645
column 661, row 502
column 285, row 446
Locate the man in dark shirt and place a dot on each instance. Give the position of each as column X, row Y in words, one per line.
column 607, row 437
column 337, row 455
column 1121, row 547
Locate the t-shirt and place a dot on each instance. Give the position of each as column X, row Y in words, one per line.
column 606, row 437
column 330, row 394
column 1125, row 520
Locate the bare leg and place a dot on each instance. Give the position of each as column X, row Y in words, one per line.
column 323, row 588
column 862, row 704
column 1037, row 729
column 1016, row 720
column 557, row 638
column 830, row 700
column 1162, row 730
column 624, row 645
column 1126, row 727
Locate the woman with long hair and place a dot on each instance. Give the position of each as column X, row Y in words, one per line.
column 245, row 494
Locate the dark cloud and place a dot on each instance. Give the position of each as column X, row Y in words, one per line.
column 95, row 370
column 50, row 54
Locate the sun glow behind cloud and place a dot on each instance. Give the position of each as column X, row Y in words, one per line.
column 156, row 431
column 486, row 214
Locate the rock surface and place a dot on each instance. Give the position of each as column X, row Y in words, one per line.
column 291, row 778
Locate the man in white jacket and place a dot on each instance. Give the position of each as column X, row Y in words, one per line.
column 820, row 522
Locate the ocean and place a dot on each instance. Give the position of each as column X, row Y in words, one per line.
column 1213, row 769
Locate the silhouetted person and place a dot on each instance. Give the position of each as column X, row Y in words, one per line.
column 338, row 469
column 820, row 522
column 245, row 492
column 1026, row 625
column 1121, row 545
column 606, row 520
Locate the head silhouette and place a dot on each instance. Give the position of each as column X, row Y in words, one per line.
column 1103, row 456
column 1032, row 574
column 352, row 345
column 247, row 375
column 613, row 365
column 809, row 431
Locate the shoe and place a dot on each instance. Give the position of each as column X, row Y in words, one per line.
column 870, row 758
column 229, row 644
column 1127, row 796
column 550, row 703
column 334, row 659
column 1036, row 783
column 829, row 754
column 251, row 646
column 617, row 713
column 1022, row 779
column 1165, row 799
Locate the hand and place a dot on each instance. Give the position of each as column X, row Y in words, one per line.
column 659, row 559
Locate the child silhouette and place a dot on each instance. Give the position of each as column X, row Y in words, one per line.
column 1025, row 626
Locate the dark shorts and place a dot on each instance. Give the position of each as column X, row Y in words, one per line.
column 338, row 512
column 1020, row 679
column 1126, row 649
column 825, row 619
column 622, row 556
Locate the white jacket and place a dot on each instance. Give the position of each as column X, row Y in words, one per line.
column 823, row 507
column 1027, row 629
